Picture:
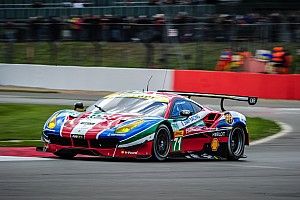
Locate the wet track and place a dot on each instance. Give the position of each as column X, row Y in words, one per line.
column 271, row 171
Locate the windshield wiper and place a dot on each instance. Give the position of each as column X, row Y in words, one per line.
column 101, row 109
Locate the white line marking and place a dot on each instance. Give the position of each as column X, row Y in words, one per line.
column 285, row 130
column 256, row 166
column 288, row 109
column 15, row 141
column 17, row 158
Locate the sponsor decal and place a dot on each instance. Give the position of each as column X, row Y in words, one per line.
column 252, row 100
column 214, row 144
column 177, row 125
column 129, row 152
column 88, row 123
column 228, row 118
column 75, row 136
column 219, row 134
column 95, row 115
column 178, row 133
column 84, row 126
column 113, row 134
column 194, row 129
column 190, row 120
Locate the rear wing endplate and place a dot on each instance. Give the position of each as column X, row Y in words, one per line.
column 250, row 100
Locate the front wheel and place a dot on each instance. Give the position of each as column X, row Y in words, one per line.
column 236, row 143
column 161, row 143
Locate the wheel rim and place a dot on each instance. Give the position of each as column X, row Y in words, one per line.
column 237, row 142
column 162, row 143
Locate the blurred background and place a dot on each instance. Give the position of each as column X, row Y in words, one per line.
column 225, row 35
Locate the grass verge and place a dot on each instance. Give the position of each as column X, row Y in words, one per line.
column 260, row 128
column 25, row 122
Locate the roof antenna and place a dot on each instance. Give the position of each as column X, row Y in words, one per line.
column 149, row 82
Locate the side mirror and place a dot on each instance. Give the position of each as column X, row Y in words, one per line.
column 78, row 106
column 185, row 113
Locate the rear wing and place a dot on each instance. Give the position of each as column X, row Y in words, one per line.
column 250, row 100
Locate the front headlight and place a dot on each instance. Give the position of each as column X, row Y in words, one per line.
column 128, row 127
column 52, row 122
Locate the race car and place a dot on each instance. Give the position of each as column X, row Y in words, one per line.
column 149, row 124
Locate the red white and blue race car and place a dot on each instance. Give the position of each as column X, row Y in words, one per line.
column 158, row 125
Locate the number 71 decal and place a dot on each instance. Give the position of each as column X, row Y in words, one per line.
column 176, row 145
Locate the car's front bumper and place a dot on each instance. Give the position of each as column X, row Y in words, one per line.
column 140, row 151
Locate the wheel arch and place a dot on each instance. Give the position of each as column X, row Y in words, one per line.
column 247, row 139
column 156, row 155
column 168, row 124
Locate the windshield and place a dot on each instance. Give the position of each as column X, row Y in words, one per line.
column 147, row 107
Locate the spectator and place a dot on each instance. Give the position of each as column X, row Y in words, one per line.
column 92, row 26
column 76, row 27
column 186, row 32
column 34, row 26
column 224, row 60
column 281, row 60
column 9, row 31
column 54, row 29
column 116, row 29
column 159, row 21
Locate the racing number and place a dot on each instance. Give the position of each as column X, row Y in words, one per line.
column 177, row 144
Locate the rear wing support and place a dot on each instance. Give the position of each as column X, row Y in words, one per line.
column 250, row 100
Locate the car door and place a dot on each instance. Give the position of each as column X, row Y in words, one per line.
column 184, row 126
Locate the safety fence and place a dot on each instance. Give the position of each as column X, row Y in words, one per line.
column 118, row 29
column 133, row 11
column 143, row 42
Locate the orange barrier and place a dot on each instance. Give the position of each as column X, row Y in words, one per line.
column 269, row 86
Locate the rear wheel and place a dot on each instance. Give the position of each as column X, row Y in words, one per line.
column 65, row 154
column 236, row 143
column 161, row 143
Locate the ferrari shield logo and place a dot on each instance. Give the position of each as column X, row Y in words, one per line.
column 228, row 118
column 214, row 144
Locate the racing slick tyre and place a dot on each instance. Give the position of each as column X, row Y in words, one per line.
column 236, row 143
column 65, row 154
column 161, row 143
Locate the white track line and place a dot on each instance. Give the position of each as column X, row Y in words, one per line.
column 255, row 166
column 17, row 158
column 15, row 141
column 285, row 130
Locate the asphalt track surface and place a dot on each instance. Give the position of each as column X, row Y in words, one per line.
column 271, row 171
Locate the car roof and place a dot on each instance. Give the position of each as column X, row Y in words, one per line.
column 159, row 96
